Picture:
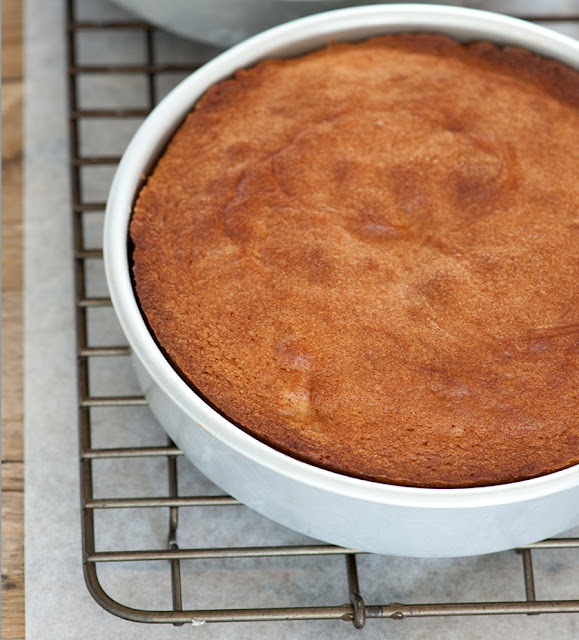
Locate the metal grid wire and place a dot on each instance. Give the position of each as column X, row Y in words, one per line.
column 171, row 504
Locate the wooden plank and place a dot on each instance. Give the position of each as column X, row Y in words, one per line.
column 12, row 476
column 12, row 371
column 12, row 564
column 11, row 40
column 12, row 468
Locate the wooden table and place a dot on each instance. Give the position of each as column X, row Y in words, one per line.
column 12, row 468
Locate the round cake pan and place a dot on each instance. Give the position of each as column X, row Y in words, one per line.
column 331, row 507
column 223, row 23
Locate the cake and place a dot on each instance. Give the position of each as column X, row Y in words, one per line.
column 367, row 258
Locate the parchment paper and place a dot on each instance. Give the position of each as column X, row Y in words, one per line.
column 58, row 605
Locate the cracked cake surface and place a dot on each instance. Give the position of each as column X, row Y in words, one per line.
column 367, row 258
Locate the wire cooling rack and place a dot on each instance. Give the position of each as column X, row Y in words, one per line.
column 118, row 69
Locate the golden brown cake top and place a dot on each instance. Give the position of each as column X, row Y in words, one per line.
column 367, row 257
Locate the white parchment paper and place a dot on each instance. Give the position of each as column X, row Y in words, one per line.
column 58, row 605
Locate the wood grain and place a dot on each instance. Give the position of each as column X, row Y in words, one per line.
column 12, row 467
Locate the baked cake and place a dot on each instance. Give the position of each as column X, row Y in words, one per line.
column 367, row 258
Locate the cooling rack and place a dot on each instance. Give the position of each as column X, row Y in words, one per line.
column 118, row 69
